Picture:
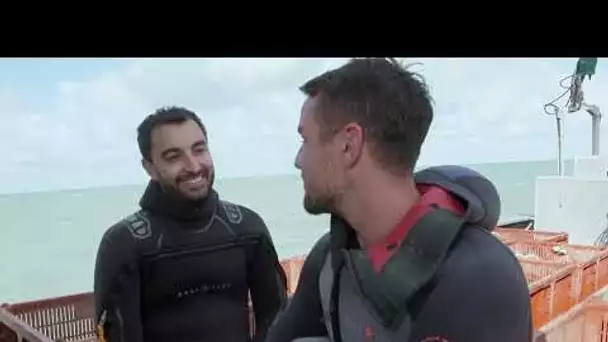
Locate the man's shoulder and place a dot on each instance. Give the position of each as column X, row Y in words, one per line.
column 235, row 213
column 133, row 226
column 323, row 244
column 482, row 261
column 478, row 250
column 319, row 251
column 247, row 219
column 126, row 238
column 488, row 294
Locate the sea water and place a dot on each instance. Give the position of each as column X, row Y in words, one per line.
column 49, row 240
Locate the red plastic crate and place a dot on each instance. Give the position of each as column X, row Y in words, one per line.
column 71, row 318
column 13, row 329
column 68, row 318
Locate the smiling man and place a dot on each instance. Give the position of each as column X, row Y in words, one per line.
column 181, row 268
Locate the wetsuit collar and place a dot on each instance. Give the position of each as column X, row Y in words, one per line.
column 156, row 200
column 343, row 236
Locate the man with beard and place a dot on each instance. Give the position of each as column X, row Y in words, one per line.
column 182, row 268
column 407, row 258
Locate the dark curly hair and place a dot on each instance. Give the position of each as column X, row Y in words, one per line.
column 162, row 116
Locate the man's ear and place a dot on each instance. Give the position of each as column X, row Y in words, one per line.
column 353, row 143
column 150, row 169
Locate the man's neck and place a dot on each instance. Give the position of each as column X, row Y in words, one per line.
column 376, row 208
column 168, row 202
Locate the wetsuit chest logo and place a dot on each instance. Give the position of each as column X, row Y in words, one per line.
column 139, row 226
column 204, row 289
column 233, row 212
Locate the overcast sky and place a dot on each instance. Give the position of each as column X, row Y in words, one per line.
column 70, row 123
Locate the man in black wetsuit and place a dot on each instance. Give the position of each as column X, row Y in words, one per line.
column 181, row 268
column 406, row 259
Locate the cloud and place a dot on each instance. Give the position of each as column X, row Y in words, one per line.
column 82, row 131
column 492, row 109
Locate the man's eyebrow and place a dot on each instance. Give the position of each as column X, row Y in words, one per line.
column 201, row 142
column 169, row 150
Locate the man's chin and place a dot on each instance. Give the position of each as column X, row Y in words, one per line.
column 192, row 194
column 314, row 208
column 195, row 196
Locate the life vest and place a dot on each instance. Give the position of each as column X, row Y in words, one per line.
column 360, row 304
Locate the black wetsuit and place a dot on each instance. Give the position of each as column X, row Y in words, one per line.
column 181, row 272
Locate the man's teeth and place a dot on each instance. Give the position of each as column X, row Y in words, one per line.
column 195, row 180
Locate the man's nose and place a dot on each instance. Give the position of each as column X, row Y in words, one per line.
column 297, row 160
column 192, row 164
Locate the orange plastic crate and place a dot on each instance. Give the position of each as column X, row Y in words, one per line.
column 551, row 286
column 592, row 262
column 510, row 235
column 586, row 323
column 293, row 268
column 600, row 297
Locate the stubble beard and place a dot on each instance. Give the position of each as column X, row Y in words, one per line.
column 174, row 190
column 315, row 207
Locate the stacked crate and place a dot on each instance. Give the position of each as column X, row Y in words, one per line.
column 560, row 275
column 586, row 322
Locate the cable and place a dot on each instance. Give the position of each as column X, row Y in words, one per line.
column 561, row 82
column 555, row 108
